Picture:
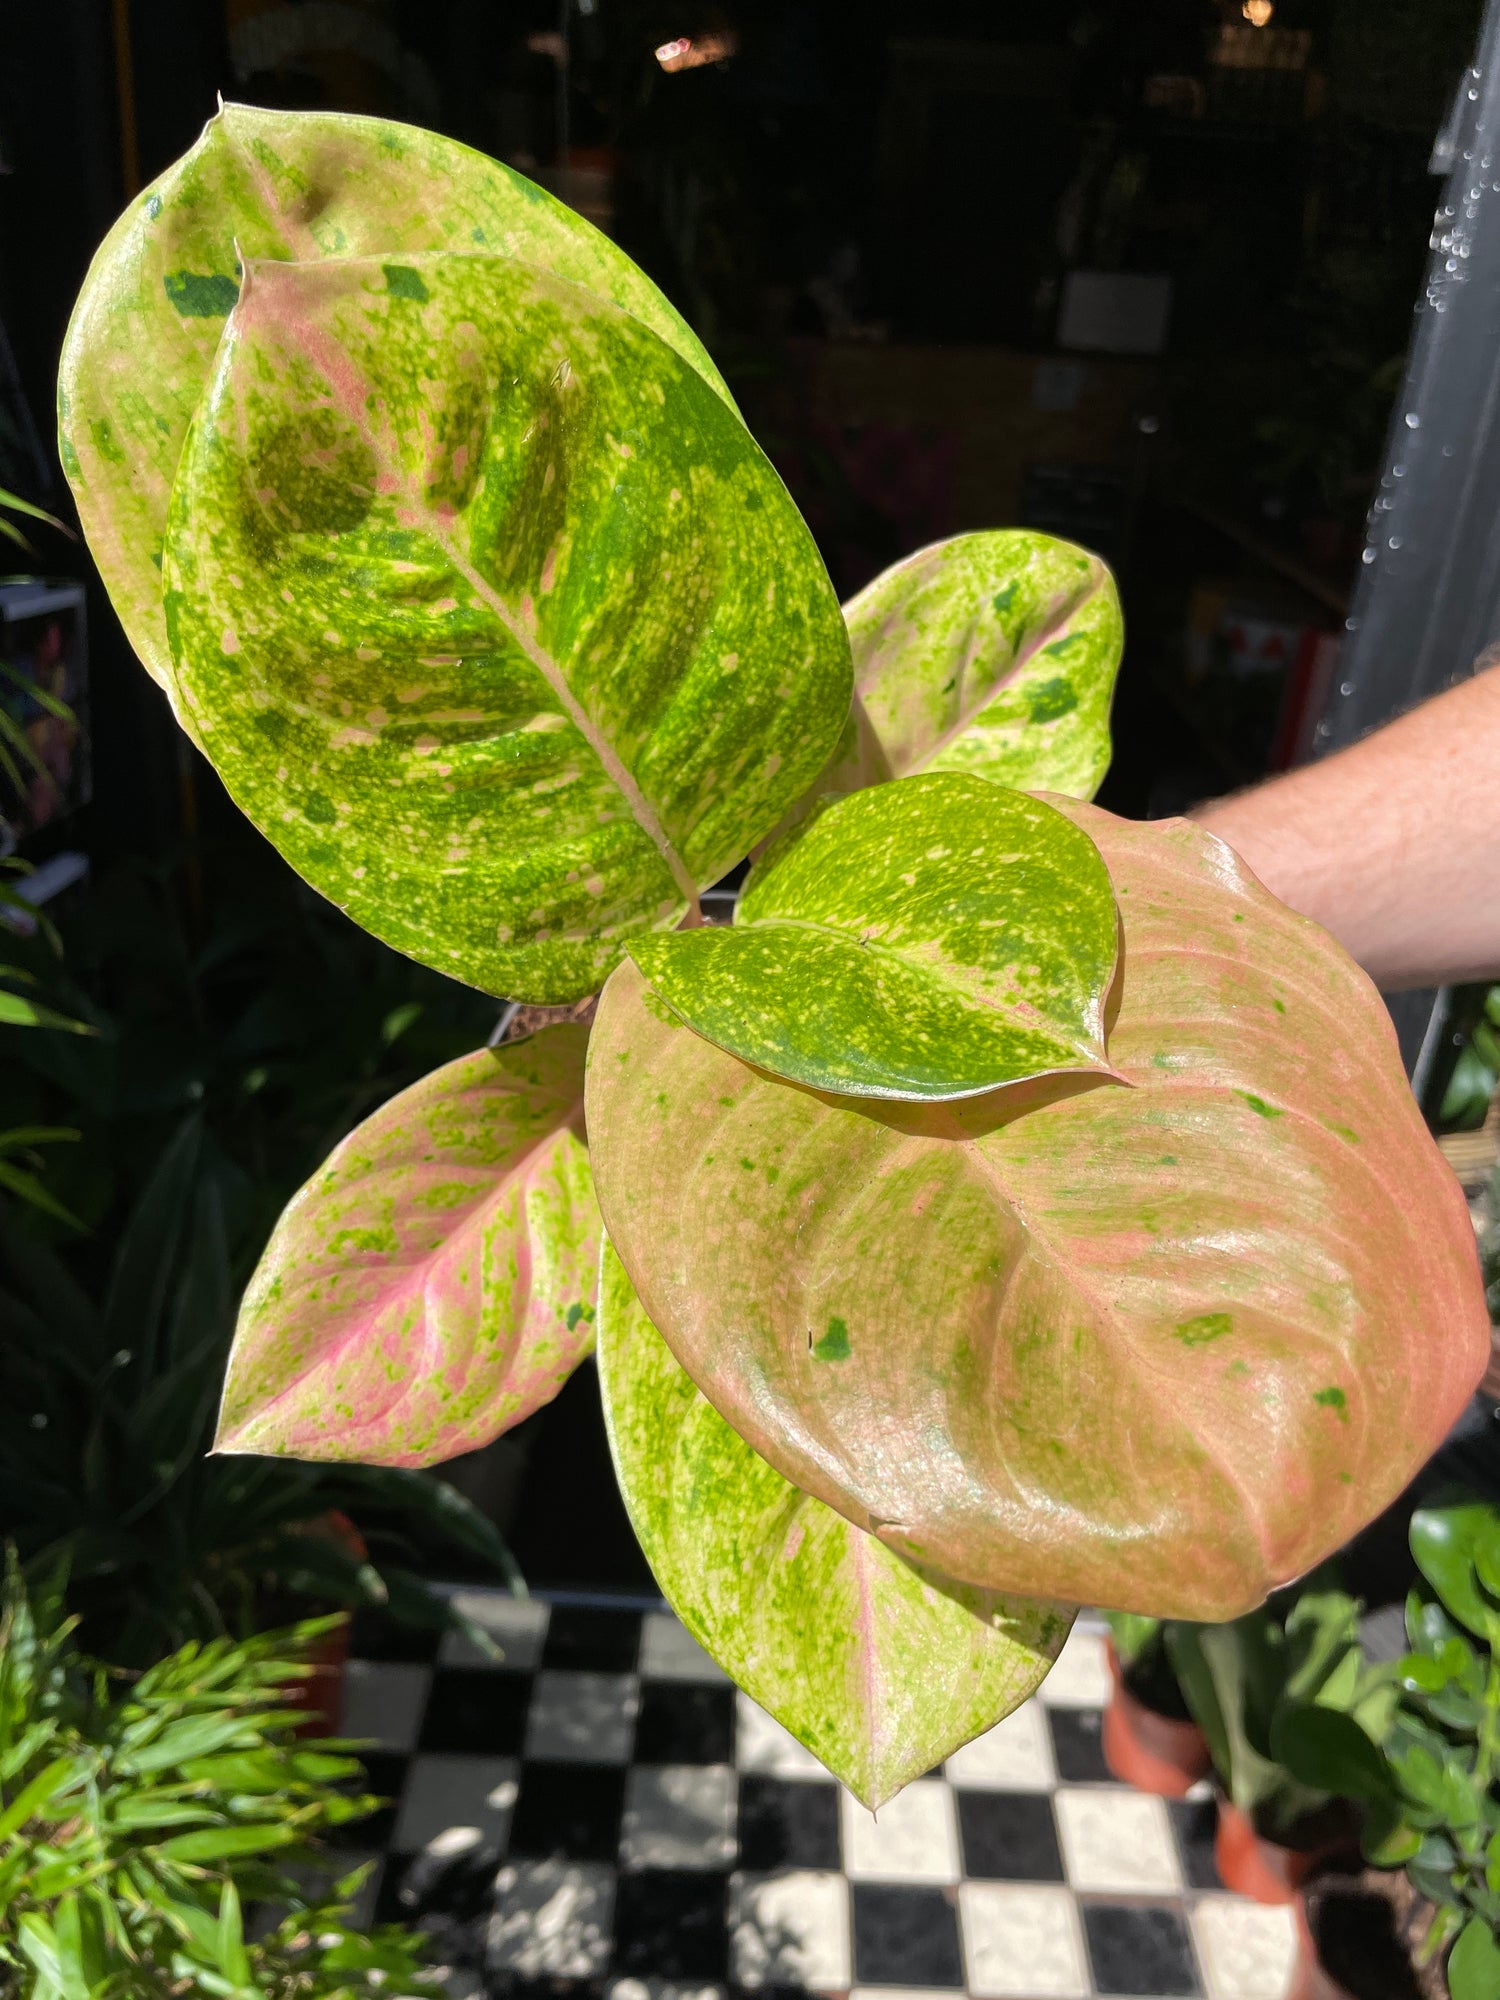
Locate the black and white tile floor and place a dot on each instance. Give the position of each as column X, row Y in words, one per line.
column 604, row 1814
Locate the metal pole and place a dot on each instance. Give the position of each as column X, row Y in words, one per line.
column 1427, row 598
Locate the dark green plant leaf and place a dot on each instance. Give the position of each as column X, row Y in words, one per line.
column 1328, row 1750
column 1448, row 1541
column 1474, row 1963
column 925, row 940
column 491, row 614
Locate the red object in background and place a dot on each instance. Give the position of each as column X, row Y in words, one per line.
column 1307, row 690
column 1155, row 1753
column 320, row 1694
column 1265, row 1870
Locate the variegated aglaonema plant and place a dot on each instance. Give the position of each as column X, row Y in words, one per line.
column 1013, row 1208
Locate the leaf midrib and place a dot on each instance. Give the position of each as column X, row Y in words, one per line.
column 965, row 719
column 975, row 1001
column 340, row 373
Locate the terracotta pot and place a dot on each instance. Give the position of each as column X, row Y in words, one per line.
column 321, row 1693
column 1155, row 1753
column 1266, row 1870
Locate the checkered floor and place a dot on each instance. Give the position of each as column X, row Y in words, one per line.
column 604, row 1815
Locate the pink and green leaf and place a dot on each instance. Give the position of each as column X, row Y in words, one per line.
column 490, row 613
column 880, row 1668
column 925, row 940
column 992, row 653
column 1158, row 1343
column 274, row 184
column 434, row 1282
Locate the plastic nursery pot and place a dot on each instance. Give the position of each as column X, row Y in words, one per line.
column 1310, row 1980
column 1270, row 1871
column 1360, row 1932
column 1154, row 1752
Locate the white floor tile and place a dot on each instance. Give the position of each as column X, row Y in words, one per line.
column 763, row 1745
column 1021, row 1942
column 1116, row 1841
column 901, row 1993
column 660, row 1989
column 913, row 1838
column 581, row 1718
column 679, row 1816
column 1014, row 1756
column 669, row 1652
column 445, row 1794
column 790, row 1930
column 1247, row 1950
column 1081, row 1677
column 552, row 1918
column 384, row 1701
column 518, row 1626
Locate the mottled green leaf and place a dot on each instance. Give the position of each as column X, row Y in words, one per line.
column 273, row 184
column 880, row 1668
column 993, row 653
column 434, row 1282
column 1023, row 1393
column 491, row 614
column 925, row 940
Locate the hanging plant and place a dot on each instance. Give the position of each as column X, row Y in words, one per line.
column 1013, row 1208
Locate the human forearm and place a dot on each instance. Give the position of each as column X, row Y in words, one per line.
column 1392, row 845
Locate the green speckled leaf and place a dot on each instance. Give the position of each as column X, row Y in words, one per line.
column 434, row 1282
column 993, row 653
column 490, row 613
column 1157, row 1344
column 925, row 940
column 880, row 1668
column 284, row 184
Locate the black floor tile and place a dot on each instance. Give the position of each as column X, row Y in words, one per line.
column 569, row 1812
column 1194, row 1821
column 1076, row 1746
column 511, row 1986
column 384, row 1775
column 681, row 1724
column 606, row 1642
column 1009, row 1837
column 905, row 1937
column 1139, row 1949
column 375, row 1635
column 481, row 1710
column 788, row 1824
column 670, row 1923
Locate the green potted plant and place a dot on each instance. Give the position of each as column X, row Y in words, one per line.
column 1419, row 1759
column 1252, row 1684
column 1012, row 1208
column 142, row 1817
column 1148, row 1737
